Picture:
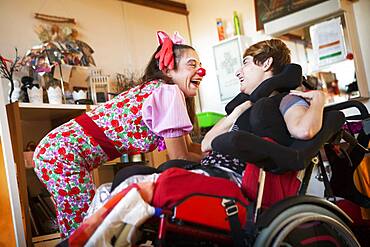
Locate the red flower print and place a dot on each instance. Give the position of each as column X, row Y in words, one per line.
column 137, row 135
column 119, row 129
column 144, row 134
column 126, row 101
column 95, row 117
column 120, row 104
column 80, row 140
column 129, row 134
column 86, row 152
column 74, row 191
column 47, row 145
column 82, row 174
column 45, row 177
column 114, row 123
column 68, row 211
column 108, row 106
column 52, row 136
column 138, row 120
column 78, row 219
column 93, row 142
column 86, row 207
column 58, row 170
column 70, row 157
column 139, row 98
column 92, row 194
column 44, row 170
column 66, row 134
column 81, row 180
column 62, row 192
column 134, row 109
column 118, row 143
column 62, row 151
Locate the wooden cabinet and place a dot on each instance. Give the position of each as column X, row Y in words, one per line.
column 28, row 122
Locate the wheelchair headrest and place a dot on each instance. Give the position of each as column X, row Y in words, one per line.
column 289, row 78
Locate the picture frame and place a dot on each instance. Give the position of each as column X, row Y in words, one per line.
column 268, row 10
column 228, row 56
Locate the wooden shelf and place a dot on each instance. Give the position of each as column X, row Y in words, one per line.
column 34, row 112
column 46, row 240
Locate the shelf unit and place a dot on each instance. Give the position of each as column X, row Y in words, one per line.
column 31, row 122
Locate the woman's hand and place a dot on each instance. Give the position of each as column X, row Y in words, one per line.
column 239, row 110
column 224, row 125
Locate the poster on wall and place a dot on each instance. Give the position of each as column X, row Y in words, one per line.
column 268, row 10
column 228, row 59
column 327, row 43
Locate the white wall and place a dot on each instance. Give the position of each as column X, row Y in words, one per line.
column 122, row 34
column 361, row 10
column 202, row 22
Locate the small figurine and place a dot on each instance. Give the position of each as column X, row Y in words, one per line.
column 27, row 82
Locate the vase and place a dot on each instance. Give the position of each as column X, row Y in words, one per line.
column 16, row 91
column 78, row 95
column 35, row 95
column 55, row 95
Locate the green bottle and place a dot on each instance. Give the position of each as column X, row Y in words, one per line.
column 236, row 23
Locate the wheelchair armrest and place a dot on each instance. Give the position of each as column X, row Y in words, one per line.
column 364, row 113
column 274, row 157
column 251, row 148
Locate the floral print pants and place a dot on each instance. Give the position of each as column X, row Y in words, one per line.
column 64, row 160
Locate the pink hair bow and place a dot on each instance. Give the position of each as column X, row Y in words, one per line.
column 165, row 55
column 176, row 38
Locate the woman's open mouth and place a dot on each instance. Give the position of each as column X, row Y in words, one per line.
column 196, row 82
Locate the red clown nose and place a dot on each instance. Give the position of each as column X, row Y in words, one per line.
column 201, row 72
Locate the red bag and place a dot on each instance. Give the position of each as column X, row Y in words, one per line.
column 175, row 184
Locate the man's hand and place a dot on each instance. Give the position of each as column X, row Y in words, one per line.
column 316, row 96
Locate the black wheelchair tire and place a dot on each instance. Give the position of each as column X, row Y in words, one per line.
column 286, row 221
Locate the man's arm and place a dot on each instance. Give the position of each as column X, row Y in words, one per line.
column 304, row 123
column 223, row 125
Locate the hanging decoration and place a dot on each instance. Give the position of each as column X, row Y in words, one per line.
column 53, row 18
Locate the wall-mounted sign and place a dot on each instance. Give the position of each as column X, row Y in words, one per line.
column 228, row 58
column 328, row 43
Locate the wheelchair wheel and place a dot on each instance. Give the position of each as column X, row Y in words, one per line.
column 306, row 225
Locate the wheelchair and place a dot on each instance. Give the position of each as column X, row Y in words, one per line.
column 204, row 218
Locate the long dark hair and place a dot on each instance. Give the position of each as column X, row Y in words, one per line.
column 152, row 71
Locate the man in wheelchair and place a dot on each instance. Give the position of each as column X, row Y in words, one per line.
column 267, row 128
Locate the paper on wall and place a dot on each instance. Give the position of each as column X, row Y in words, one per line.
column 327, row 43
